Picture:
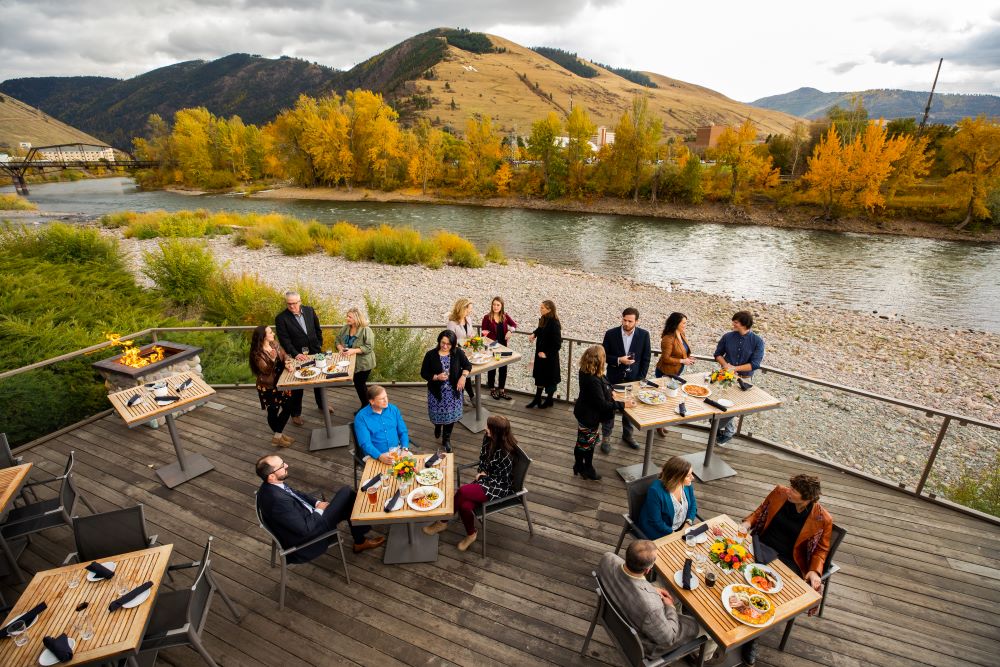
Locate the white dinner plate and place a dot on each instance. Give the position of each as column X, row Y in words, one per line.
column 307, row 373
column 725, row 605
column 138, row 599
column 418, row 493
column 700, row 539
column 679, row 579
column 48, row 658
column 343, row 363
column 725, row 402
column 93, row 577
column 746, row 575
column 651, row 397
column 429, row 476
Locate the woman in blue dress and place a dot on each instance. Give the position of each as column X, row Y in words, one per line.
column 446, row 370
column 670, row 503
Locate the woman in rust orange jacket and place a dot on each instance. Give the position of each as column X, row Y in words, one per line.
column 675, row 352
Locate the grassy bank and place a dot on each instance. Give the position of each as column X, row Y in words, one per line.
column 16, row 203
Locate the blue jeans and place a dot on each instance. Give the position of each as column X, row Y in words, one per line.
column 727, row 429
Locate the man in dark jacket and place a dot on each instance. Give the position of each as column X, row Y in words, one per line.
column 295, row 517
column 297, row 329
column 628, row 351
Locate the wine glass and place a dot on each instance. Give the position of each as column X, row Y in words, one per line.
column 19, row 631
column 305, row 350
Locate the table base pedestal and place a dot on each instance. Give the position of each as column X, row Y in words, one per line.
column 172, row 474
column 633, row 472
column 716, row 469
column 338, row 436
column 473, row 422
column 408, row 544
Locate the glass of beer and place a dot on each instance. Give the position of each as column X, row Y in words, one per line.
column 373, row 492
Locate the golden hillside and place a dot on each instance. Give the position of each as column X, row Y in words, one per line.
column 503, row 86
column 20, row 122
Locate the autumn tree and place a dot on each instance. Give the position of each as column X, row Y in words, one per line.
column 543, row 146
column 579, row 130
column 637, row 136
column 190, row 140
column 747, row 162
column 286, row 143
column 973, row 157
column 481, row 155
column 425, row 159
column 374, row 136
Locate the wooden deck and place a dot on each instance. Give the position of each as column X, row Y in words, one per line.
column 919, row 585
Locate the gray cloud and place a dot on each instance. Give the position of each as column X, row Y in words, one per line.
column 980, row 49
column 845, row 67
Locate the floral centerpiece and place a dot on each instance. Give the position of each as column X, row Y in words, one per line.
column 476, row 343
column 722, row 377
column 404, row 469
column 728, row 554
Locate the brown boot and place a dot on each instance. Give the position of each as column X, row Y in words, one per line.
column 370, row 543
column 435, row 528
column 279, row 441
column 298, row 421
column 467, row 542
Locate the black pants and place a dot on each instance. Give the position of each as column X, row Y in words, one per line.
column 361, row 385
column 339, row 510
column 295, row 402
column 491, row 375
column 608, row 426
column 278, row 416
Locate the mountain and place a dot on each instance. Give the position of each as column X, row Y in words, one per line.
column 946, row 108
column 21, row 122
column 444, row 74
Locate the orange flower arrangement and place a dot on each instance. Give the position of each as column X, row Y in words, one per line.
column 728, row 554
column 722, row 377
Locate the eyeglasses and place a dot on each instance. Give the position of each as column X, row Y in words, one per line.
column 274, row 470
column 292, row 303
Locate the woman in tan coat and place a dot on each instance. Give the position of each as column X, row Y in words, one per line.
column 675, row 352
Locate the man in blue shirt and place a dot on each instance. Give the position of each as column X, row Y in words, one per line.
column 379, row 426
column 742, row 352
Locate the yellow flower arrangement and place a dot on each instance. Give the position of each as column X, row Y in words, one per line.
column 722, row 377
column 405, row 468
column 728, row 554
column 476, row 343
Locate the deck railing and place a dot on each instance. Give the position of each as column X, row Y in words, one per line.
column 888, row 440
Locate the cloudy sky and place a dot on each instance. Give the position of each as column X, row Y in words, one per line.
column 743, row 50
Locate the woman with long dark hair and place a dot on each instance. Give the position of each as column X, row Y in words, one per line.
column 266, row 361
column 493, row 478
column 498, row 326
column 545, row 367
column 446, row 370
column 675, row 351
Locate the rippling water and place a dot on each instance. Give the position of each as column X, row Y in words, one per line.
column 935, row 282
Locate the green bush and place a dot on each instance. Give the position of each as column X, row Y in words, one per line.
column 292, row 237
column 16, row 203
column 182, row 270
column 494, row 253
column 61, row 243
column 977, row 488
column 224, row 360
column 246, row 300
column 399, row 352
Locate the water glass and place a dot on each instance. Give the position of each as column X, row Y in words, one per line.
column 19, row 631
column 74, row 579
column 689, row 541
column 123, row 585
column 699, row 563
column 83, row 627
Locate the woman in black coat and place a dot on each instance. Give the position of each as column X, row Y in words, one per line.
column 595, row 405
column 545, row 368
column 446, row 370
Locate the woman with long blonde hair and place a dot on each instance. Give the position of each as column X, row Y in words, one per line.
column 460, row 323
column 356, row 338
column 595, row 405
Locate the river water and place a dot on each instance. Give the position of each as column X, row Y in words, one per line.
column 941, row 283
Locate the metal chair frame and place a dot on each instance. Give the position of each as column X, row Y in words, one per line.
column 829, row 569
column 133, row 517
column 520, row 496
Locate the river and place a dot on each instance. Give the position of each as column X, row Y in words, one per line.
column 940, row 283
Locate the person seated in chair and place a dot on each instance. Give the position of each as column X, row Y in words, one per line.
column 670, row 503
column 379, row 426
column 295, row 517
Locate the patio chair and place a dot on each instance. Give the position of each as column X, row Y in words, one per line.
column 829, row 569
column 626, row 638
column 518, row 497
column 280, row 552
column 358, row 456
column 636, row 492
column 109, row 533
column 179, row 617
column 8, row 460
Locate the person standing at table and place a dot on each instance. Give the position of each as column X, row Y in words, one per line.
column 547, row 337
column 300, row 335
column 594, row 405
column 670, row 503
column 357, row 339
column 446, row 370
column 493, row 478
column 741, row 351
column 498, row 326
column 379, row 426
column 675, row 351
column 628, row 351
column 460, row 323
column 267, row 360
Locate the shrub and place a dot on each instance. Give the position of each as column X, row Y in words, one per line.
column 182, row 269
column 399, row 352
column 224, row 360
column 978, row 488
column 291, row 236
column 246, row 300
column 495, row 254
column 16, row 203
column 458, row 251
column 61, row 243
column 188, row 224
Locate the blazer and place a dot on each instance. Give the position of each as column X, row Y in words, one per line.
column 365, row 341
column 595, row 404
column 671, row 353
column 548, row 339
column 291, row 522
column 291, row 336
column 491, row 329
column 431, row 366
column 656, row 518
column 813, row 543
column 614, row 348
column 462, row 330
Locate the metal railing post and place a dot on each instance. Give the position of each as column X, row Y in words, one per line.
column 569, row 369
column 933, row 455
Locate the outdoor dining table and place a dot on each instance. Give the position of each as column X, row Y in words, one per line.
column 188, row 466
column 405, row 543
column 499, row 355
column 117, row 634
column 795, row 597
column 650, row 417
column 329, row 436
column 11, row 480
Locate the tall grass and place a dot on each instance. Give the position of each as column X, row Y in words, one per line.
column 16, row 203
column 181, row 268
column 188, row 224
column 399, row 352
column 977, row 488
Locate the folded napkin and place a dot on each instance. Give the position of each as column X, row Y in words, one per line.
column 716, row 404
column 389, row 506
column 678, row 378
column 686, row 575
column 744, row 385
column 649, row 383
column 762, row 553
column 432, row 460
column 59, row 647
column 682, row 409
column 28, row 617
column 307, row 364
column 508, row 353
column 184, row 385
column 100, row 571
column 372, row 482
column 167, row 399
column 135, row 399
column 131, row 595
column 339, row 374
column 618, row 387
column 699, row 530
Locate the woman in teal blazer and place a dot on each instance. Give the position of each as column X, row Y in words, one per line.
column 670, row 502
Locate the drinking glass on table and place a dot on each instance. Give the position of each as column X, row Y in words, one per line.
column 83, row 627
column 75, row 576
column 689, row 542
column 699, row 563
column 123, row 585
column 19, row 631
column 741, row 534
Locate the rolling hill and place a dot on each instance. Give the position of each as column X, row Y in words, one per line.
column 946, row 108
column 21, row 122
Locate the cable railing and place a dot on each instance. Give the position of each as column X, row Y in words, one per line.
column 921, row 450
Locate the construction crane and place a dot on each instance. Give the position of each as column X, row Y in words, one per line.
column 927, row 111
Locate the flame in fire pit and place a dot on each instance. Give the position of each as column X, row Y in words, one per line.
column 132, row 355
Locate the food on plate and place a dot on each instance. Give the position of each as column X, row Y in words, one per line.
column 652, row 397
column 762, row 579
column 426, row 499
column 307, row 373
column 429, row 476
column 749, row 606
column 696, row 390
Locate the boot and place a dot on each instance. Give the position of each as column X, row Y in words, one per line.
column 446, row 437
column 588, row 471
column 548, row 400
column 537, row 400
column 437, row 431
column 577, row 461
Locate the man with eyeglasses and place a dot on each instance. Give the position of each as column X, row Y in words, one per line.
column 296, row 517
column 300, row 335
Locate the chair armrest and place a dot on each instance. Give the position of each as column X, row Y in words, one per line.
column 70, row 558
column 314, row 540
column 43, row 482
column 465, row 466
column 512, row 496
column 679, row 652
column 152, row 540
column 33, row 517
column 184, row 566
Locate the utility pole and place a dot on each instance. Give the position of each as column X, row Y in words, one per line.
column 930, row 97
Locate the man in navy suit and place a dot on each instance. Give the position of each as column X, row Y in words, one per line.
column 628, row 351
column 297, row 329
column 295, row 517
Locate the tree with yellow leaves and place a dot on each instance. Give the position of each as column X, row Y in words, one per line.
column 747, row 161
column 637, row 136
column 482, row 153
column 425, row 158
column 973, row 156
column 543, row 146
column 579, row 129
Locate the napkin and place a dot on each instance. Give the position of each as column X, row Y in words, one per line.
column 307, row 364
column 649, row 383
column 135, row 399
column 508, row 353
column 678, row 378
column 432, row 460
column 699, row 530
column 744, row 385
column 686, row 575
column 167, row 399
column 341, row 374
column 59, row 647
column 618, row 387
column 131, row 595
column 716, row 404
column 392, row 502
column 184, row 385
column 682, row 409
column 762, row 553
column 28, row 617
column 100, row 571
column 372, row 482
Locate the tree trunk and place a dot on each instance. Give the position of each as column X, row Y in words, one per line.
column 968, row 216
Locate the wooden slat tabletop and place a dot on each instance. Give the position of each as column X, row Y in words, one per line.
column 493, row 363
column 115, row 633
column 148, row 409
column 289, row 381
column 10, row 483
column 649, row 416
column 795, row 596
column 373, row 513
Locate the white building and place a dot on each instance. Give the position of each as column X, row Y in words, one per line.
column 77, row 154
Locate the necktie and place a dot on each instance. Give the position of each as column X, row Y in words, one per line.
column 299, row 498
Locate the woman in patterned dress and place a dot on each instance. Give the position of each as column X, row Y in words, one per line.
column 446, row 370
column 266, row 361
column 493, row 480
